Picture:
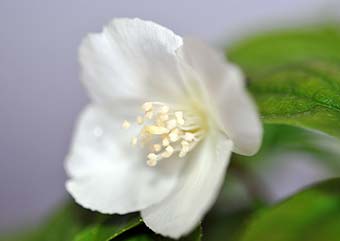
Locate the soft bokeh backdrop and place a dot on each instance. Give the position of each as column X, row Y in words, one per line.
column 40, row 94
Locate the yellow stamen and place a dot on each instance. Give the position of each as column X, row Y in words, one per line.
column 179, row 117
column 152, row 156
column 165, row 142
column 126, row 124
column 134, row 141
column 147, row 106
column 157, row 147
column 151, row 163
column 156, row 130
column 162, row 126
column 174, row 135
column 171, row 124
column 149, row 115
column 169, row 150
column 164, row 109
column 140, row 120
column 188, row 136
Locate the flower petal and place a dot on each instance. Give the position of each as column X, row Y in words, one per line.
column 208, row 64
column 239, row 114
column 196, row 191
column 226, row 83
column 107, row 174
column 131, row 58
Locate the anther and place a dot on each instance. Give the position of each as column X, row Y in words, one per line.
column 126, row 124
column 165, row 142
column 188, row 136
column 164, row 109
column 174, row 135
column 147, row 106
column 149, row 115
column 171, row 124
column 182, row 153
column 169, row 150
column 152, row 156
column 184, row 143
column 140, row 120
column 156, row 130
column 157, row 147
column 151, row 163
column 134, row 141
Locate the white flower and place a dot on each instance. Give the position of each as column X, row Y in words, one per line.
column 184, row 109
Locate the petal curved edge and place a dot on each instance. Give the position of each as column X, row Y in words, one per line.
column 130, row 58
column 239, row 114
column 223, row 85
column 107, row 174
column 196, row 191
column 207, row 62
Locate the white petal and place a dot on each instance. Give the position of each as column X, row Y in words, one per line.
column 196, row 192
column 131, row 58
column 226, row 89
column 239, row 114
column 107, row 174
column 208, row 64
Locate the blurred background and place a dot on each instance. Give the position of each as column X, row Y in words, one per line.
column 41, row 95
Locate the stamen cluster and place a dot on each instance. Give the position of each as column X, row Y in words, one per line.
column 166, row 131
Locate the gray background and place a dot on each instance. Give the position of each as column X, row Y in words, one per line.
column 40, row 94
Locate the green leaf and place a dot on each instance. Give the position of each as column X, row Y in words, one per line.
column 280, row 139
column 295, row 76
column 107, row 232
column 224, row 226
column 72, row 222
column 196, row 235
column 312, row 215
column 143, row 233
column 264, row 52
column 305, row 95
column 63, row 224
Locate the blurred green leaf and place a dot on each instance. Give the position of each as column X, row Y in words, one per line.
column 63, row 224
column 305, row 95
column 72, row 222
column 264, row 52
column 107, row 232
column 129, row 233
column 143, row 233
column 313, row 215
column 225, row 226
column 280, row 139
column 196, row 235
column 295, row 76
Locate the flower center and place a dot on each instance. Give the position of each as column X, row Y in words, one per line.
column 166, row 131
